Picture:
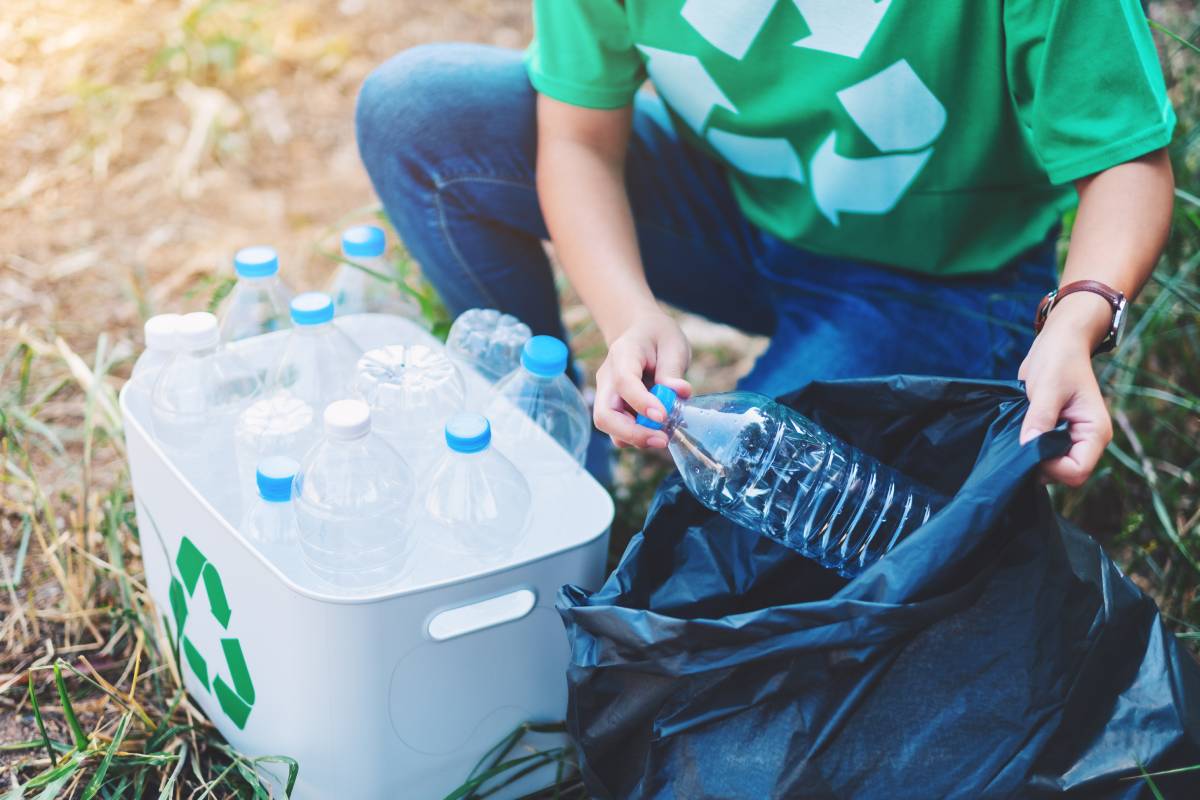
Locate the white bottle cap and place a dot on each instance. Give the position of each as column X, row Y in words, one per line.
column 160, row 331
column 347, row 419
column 197, row 331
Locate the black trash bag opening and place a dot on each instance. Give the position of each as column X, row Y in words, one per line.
column 997, row 652
column 934, row 433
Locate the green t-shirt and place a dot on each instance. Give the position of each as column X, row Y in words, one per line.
column 940, row 137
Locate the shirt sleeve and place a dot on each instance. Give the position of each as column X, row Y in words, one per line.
column 1085, row 79
column 583, row 53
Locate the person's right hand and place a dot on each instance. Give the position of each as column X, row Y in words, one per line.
column 652, row 345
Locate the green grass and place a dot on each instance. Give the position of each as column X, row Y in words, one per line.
column 1144, row 501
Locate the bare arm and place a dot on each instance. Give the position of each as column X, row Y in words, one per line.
column 581, row 187
column 1123, row 221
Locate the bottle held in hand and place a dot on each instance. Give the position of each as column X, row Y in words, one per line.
column 773, row 470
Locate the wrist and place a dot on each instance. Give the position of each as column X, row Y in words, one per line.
column 1082, row 318
column 616, row 320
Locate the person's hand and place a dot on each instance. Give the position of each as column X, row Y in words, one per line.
column 1061, row 385
column 650, row 345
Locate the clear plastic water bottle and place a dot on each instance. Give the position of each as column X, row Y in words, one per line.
column 317, row 364
column 487, row 341
column 354, row 502
column 159, row 333
column 412, row 390
column 478, row 500
column 356, row 291
column 271, row 518
column 198, row 395
column 259, row 300
column 546, row 398
column 277, row 424
column 775, row 471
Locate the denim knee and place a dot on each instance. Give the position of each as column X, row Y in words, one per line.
column 429, row 102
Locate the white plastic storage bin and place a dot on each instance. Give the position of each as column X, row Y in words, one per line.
column 392, row 694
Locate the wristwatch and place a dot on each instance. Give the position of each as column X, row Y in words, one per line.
column 1114, row 298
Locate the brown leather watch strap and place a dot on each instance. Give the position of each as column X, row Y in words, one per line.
column 1113, row 297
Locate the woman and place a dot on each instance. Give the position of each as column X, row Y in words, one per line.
column 874, row 185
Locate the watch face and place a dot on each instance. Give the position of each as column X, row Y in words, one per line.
column 1118, row 324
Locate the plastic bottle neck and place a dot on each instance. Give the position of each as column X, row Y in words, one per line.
column 535, row 376
column 342, row 439
column 674, row 420
column 257, row 280
column 180, row 356
column 313, row 328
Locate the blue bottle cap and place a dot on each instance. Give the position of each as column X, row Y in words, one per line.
column 544, row 356
column 274, row 478
column 667, row 396
column 311, row 308
column 256, row 262
column 363, row 241
column 468, row 433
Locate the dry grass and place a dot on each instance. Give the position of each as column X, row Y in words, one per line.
column 146, row 140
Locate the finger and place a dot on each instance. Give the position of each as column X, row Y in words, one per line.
column 631, row 389
column 671, row 361
column 1091, row 431
column 1065, row 470
column 622, row 427
column 1045, row 404
column 611, row 418
column 679, row 386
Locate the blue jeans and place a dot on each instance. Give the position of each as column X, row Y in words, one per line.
column 448, row 135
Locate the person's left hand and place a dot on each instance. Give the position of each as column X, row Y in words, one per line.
column 1061, row 385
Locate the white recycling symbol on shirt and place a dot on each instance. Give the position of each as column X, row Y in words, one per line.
column 894, row 108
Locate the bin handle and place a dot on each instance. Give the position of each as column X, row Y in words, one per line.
column 461, row 620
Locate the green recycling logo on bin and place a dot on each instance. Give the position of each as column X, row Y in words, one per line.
column 194, row 569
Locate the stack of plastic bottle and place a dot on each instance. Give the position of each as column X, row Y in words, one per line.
column 356, row 461
column 362, row 462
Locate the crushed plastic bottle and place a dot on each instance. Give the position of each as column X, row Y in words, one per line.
column 317, row 364
column 198, row 395
column 354, row 503
column 546, row 398
column 259, row 301
column 772, row 470
column 412, row 390
column 356, row 291
column 159, row 333
column 478, row 500
column 271, row 518
column 487, row 341
column 278, row 424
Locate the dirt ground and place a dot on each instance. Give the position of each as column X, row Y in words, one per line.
column 135, row 163
column 145, row 141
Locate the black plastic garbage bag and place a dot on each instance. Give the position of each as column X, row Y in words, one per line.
column 997, row 652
